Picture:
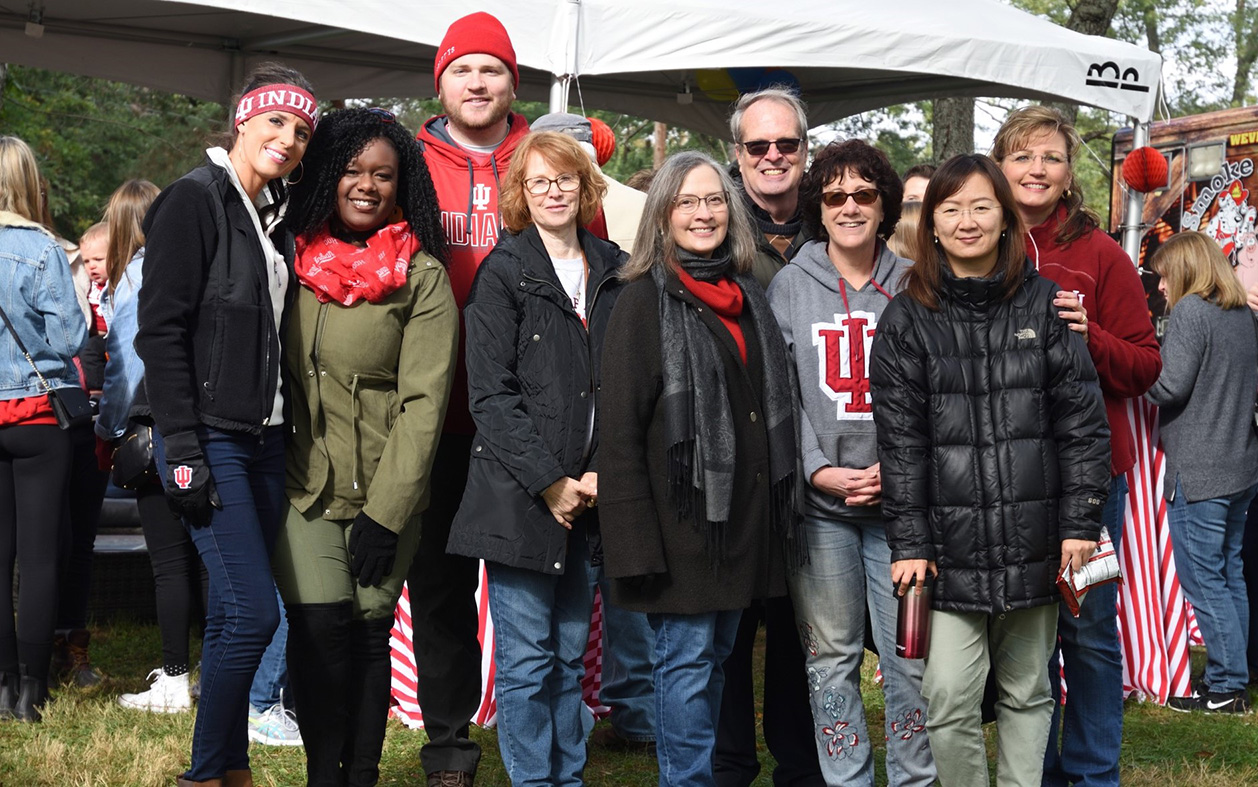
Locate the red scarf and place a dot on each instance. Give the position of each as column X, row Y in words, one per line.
column 725, row 299
column 342, row 272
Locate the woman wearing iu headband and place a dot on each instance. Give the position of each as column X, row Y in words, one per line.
column 215, row 285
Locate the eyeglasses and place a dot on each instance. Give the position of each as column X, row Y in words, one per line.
column 837, row 199
column 1047, row 159
column 689, row 203
column 760, row 147
column 385, row 115
column 977, row 213
column 539, row 185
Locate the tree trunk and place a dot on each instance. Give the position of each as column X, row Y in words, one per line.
column 953, row 127
column 1245, row 26
column 660, row 144
column 4, row 79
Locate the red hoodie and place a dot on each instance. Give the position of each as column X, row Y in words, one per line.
column 1120, row 332
column 467, row 186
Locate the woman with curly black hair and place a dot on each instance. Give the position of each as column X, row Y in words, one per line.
column 369, row 354
column 828, row 302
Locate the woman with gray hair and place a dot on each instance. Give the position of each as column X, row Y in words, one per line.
column 697, row 457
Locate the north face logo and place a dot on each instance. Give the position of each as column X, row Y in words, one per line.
column 1025, row 334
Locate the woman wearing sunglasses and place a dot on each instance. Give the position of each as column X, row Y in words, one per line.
column 535, row 318
column 995, row 464
column 368, row 355
column 698, row 457
column 828, row 301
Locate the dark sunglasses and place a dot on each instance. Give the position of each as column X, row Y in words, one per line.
column 760, row 147
column 837, row 199
column 385, row 115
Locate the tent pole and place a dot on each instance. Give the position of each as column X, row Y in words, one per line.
column 558, row 94
column 1133, row 209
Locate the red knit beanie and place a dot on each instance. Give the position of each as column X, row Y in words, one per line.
column 475, row 34
column 604, row 140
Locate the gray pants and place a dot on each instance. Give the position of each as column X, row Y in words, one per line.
column 962, row 646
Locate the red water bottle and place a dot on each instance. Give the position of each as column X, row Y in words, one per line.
column 912, row 630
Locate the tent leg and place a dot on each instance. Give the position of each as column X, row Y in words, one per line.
column 1133, row 208
column 559, row 94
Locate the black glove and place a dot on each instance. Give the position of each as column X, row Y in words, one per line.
column 190, row 488
column 372, row 548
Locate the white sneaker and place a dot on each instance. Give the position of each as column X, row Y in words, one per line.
column 167, row 694
column 275, row 726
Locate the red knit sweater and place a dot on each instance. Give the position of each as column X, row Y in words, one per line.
column 1120, row 332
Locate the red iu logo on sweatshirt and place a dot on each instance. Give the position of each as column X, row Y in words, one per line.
column 843, row 362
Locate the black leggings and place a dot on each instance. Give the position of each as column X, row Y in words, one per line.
column 86, row 493
column 178, row 574
column 34, row 477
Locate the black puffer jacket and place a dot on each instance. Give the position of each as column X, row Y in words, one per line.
column 993, row 440
column 533, row 378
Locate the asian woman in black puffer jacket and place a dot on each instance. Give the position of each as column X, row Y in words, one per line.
column 995, row 463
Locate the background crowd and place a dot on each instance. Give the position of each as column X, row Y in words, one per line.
column 340, row 356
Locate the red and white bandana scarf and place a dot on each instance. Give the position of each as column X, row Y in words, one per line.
column 342, row 272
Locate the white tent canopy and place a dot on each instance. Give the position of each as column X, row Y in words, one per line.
column 633, row 56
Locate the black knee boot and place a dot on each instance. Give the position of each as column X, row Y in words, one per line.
column 32, row 694
column 319, row 674
column 370, row 680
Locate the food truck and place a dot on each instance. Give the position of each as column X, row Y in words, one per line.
column 1211, row 186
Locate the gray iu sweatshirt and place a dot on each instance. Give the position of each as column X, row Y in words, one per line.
column 828, row 342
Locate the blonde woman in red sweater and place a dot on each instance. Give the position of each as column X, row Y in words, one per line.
column 1102, row 298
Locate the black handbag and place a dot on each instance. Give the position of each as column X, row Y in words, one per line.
column 71, row 406
column 133, row 465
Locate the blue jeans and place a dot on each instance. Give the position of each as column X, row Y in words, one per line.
column 1206, row 538
column 1093, row 662
column 270, row 682
column 242, row 613
column 689, row 680
column 541, row 629
column 849, row 571
column 627, row 686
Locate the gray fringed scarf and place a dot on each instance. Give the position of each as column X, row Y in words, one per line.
column 698, row 424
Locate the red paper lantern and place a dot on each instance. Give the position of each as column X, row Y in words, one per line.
column 1145, row 170
column 604, row 140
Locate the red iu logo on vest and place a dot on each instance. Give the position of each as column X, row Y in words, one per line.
column 183, row 477
column 843, row 362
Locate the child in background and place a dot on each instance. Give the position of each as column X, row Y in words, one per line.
column 92, row 249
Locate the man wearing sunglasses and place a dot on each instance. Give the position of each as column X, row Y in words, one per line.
column 770, row 131
column 467, row 149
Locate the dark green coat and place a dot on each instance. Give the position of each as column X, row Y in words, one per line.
column 369, row 384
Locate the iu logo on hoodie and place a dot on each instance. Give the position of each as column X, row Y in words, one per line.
column 843, row 362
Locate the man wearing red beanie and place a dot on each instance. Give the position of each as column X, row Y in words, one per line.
column 466, row 149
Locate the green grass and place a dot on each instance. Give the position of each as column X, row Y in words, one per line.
column 87, row 740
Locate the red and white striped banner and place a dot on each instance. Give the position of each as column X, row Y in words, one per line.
column 1155, row 623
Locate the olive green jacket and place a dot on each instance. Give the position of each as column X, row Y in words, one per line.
column 369, row 384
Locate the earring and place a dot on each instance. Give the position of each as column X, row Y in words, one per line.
column 1002, row 234
column 301, row 173
column 1068, row 193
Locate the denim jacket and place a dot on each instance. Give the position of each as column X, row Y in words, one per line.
column 124, row 370
column 37, row 294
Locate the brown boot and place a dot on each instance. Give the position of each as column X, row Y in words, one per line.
column 182, row 782
column 80, row 671
column 243, row 778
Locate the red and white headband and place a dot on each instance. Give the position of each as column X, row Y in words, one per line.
column 278, row 98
